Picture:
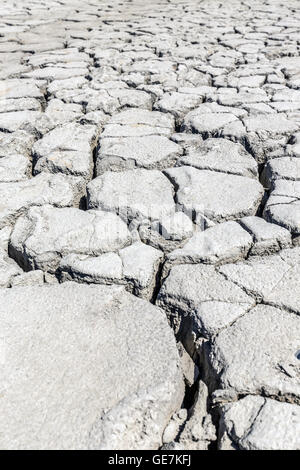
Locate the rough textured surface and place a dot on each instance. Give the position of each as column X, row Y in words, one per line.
column 45, row 234
column 58, row 190
column 95, row 353
column 221, row 155
column 133, row 194
column 262, row 363
column 196, row 432
column 222, row 242
column 136, row 266
column 66, row 149
column 151, row 149
column 273, row 279
column 143, row 152
column 257, row 423
column 200, row 301
column 215, row 195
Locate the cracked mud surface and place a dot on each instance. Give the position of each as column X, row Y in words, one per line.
column 150, row 225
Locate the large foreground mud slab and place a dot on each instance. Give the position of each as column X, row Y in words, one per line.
column 85, row 367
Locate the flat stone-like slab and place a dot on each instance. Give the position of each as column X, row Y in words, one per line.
column 283, row 205
column 136, row 266
column 16, row 88
column 154, row 147
column 211, row 119
column 200, row 301
column 273, row 279
column 44, row 235
column 14, row 168
column 151, row 152
column 178, row 104
column 267, row 237
column 169, row 233
column 258, row 355
column 257, row 423
column 19, row 104
column 102, row 370
column 286, row 168
column 222, row 242
column 12, row 121
column 58, row 113
column 16, row 143
column 139, row 122
column 215, row 195
column 134, row 194
column 231, row 241
column 58, row 190
column 210, row 124
column 221, row 155
column 67, row 149
column 270, row 125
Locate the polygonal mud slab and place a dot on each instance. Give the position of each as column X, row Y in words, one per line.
column 14, row 168
column 45, row 234
column 133, row 194
column 215, row 195
column 57, row 190
column 171, row 232
column 13, row 121
column 257, row 423
column 15, row 88
column 178, row 104
column 152, row 152
column 211, row 119
column 272, row 279
column 267, row 237
column 67, row 149
column 267, row 134
column 221, row 155
column 136, row 266
column 56, row 114
column 208, row 125
column 286, row 168
column 8, row 269
column 102, row 370
column 139, row 122
column 257, row 355
column 199, row 301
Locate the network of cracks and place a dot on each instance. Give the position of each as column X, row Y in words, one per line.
column 150, row 224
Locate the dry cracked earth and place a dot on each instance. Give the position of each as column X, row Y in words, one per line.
column 150, row 224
